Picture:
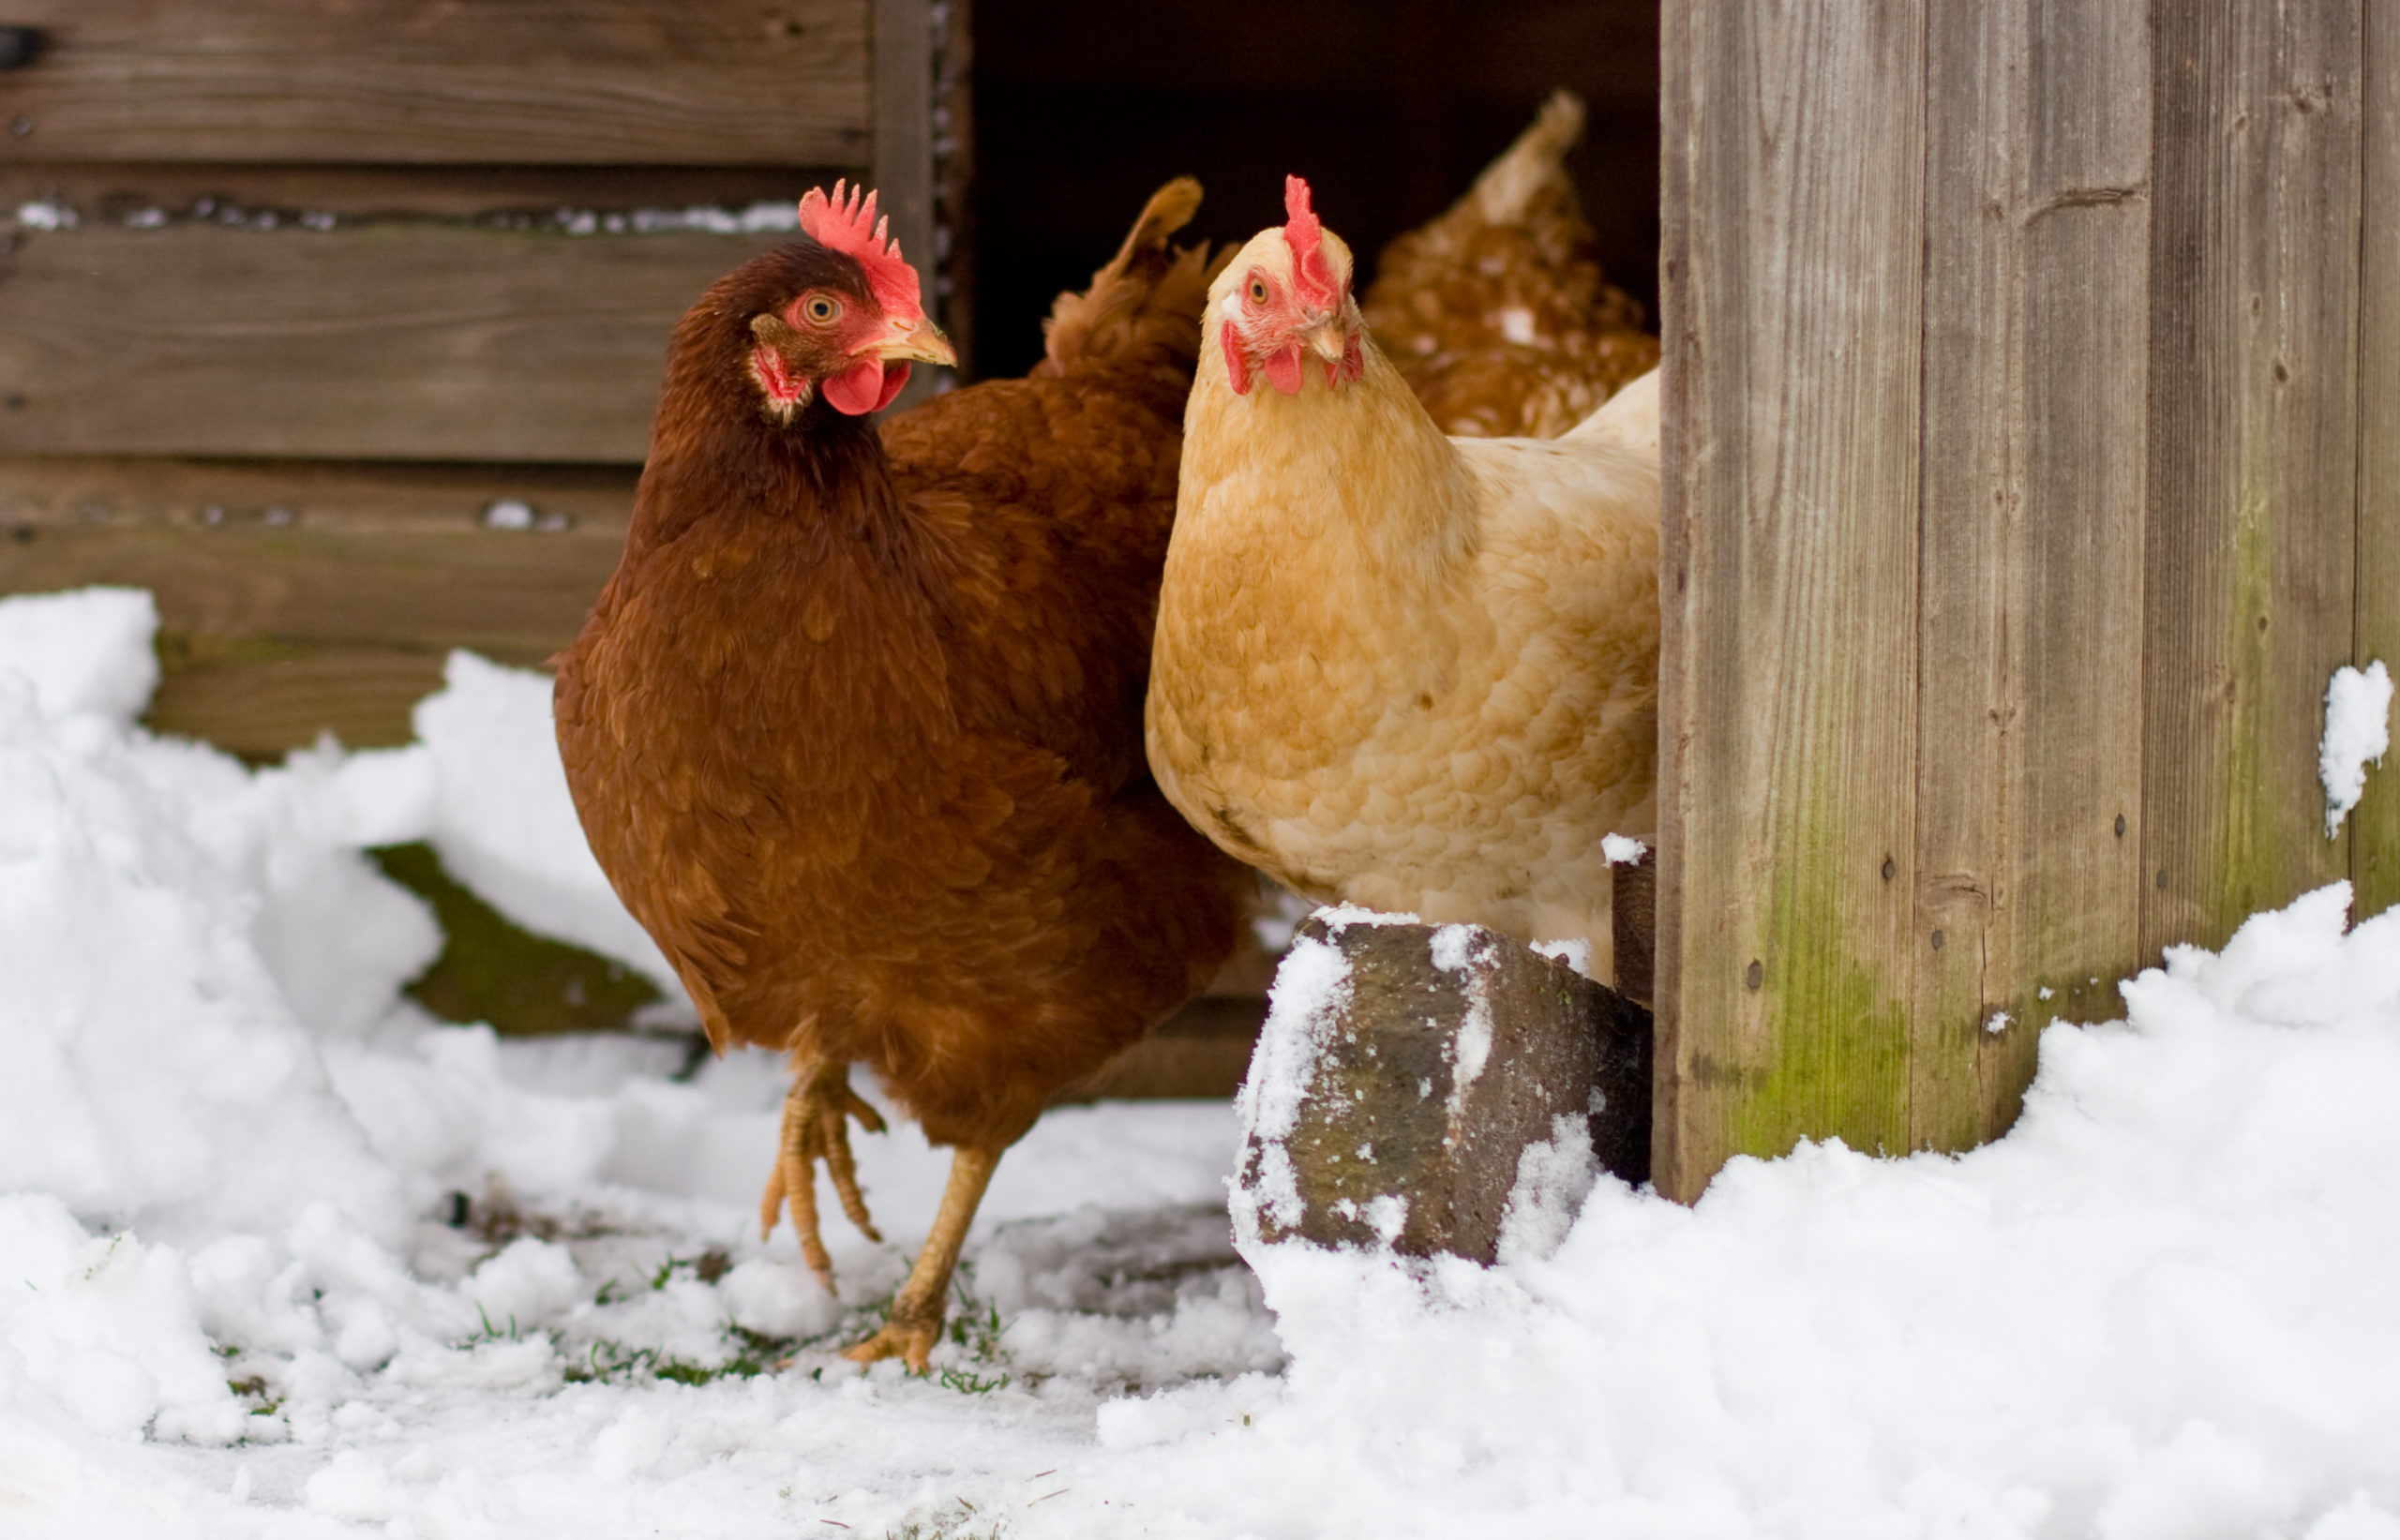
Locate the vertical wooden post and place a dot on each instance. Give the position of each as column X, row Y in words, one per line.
column 2028, row 707
column 1794, row 211
column 904, row 149
column 1998, row 611
column 2375, row 824
column 2253, row 455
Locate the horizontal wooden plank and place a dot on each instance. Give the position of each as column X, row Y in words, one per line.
column 515, row 595
column 263, row 699
column 44, row 492
column 394, row 341
column 300, row 599
column 581, row 82
column 1203, row 1050
column 144, row 194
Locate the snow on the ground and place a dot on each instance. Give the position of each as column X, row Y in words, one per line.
column 279, row 1256
column 2358, row 732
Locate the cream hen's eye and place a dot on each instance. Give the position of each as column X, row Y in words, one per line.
column 822, row 309
column 1258, row 290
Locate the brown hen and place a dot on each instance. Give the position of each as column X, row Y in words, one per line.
column 1496, row 312
column 856, row 727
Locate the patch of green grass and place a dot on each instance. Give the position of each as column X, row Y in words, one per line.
column 749, row 1354
column 968, row 1523
column 253, row 1388
column 980, row 1334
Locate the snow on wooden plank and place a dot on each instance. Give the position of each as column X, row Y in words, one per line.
column 2254, row 454
column 575, row 81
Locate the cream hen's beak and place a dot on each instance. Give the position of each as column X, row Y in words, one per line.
column 918, row 338
column 1327, row 338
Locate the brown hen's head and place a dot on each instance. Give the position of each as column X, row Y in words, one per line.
column 1286, row 295
column 835, row 316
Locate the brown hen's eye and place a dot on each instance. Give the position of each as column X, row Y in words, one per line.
column 822, row 308
column 1258, row 290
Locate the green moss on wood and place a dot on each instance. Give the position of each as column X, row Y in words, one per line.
column 1837, row 1062
column 492, row 970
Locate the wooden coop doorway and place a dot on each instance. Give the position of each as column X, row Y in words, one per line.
column 2033, row 438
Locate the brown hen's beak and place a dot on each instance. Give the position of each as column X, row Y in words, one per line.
column 918, row 340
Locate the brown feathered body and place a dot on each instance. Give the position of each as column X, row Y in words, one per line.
column 855, row 729
column 1496, row 312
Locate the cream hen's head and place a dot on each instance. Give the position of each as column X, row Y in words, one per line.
column 1285, row 302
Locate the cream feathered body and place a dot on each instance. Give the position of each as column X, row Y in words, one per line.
column 1403, row 671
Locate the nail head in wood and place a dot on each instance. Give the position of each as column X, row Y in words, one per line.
column 20, row 46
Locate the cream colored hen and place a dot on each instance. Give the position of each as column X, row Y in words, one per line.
column 1392, row 668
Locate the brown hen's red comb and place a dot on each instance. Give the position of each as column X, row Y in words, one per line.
column 1305, row 236
column 847, row 223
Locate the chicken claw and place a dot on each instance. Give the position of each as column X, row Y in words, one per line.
column 914, row 1325
column 816, row 1114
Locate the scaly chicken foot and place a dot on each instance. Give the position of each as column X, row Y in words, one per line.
column 816, row 1114
column 914, row 1325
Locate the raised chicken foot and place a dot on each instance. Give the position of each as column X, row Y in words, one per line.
column 816, row 1114
column 915, row 1324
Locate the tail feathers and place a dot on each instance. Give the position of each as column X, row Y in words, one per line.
column 1148, row 298
column 1529, row 174
column 1631, row 417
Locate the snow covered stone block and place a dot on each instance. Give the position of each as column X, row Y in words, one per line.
column 1404, row 1071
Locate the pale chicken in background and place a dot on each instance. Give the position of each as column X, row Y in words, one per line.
column 1392, row 668
column 1496, row 312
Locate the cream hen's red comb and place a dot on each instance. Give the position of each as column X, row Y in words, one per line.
column 847, row 223
column 1306, row 237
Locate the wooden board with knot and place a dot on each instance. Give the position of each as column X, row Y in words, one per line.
column 1406, row 1069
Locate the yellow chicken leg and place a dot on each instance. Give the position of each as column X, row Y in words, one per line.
column 816, row 1114
column 915, row 1323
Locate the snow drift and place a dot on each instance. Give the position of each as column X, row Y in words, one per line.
column 232, row 1301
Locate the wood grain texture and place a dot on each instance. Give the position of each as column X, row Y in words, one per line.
column 2252, row 545
column 66, row 491
column 904, row 153
column 579, row 81
column 298, row 599
column 2029, row 771
column 140, row 193
column 261, row 699
column 385, row 341
column 2375, row 824
column 1794, row 185
column 514, row 595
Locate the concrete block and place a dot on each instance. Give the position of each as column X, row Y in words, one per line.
column 1404, row 1070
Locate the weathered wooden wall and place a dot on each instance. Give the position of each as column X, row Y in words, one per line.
column 291, row 296
column 2032, row 424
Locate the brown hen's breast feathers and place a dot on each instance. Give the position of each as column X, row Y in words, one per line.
column 864, row 751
